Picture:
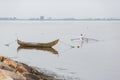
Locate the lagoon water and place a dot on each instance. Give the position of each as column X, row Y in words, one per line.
column 96, row 58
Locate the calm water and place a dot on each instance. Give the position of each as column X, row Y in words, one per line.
column 93, row 60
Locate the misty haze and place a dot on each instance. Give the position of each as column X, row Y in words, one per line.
column 87, row 31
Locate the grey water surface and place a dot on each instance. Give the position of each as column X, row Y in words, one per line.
column 95, row 58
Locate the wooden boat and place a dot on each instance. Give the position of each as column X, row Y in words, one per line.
column 42, row 45
column 52, row 50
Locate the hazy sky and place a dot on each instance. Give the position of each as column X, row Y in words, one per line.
column 60, row 8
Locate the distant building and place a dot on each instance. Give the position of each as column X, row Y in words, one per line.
column 42, row 18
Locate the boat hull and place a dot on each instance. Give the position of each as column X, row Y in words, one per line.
column 42, row 45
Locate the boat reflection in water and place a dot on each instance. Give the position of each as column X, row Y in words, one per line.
column 52, row 50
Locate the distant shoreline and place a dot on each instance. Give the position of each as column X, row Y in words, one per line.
column 43, row 18
column 63, row 20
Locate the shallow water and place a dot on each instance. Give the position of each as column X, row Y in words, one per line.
column 96, row 58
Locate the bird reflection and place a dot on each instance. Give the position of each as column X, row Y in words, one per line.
column 88, row 40
column 52, row 50
column 84, row 40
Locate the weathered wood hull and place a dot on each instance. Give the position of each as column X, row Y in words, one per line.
column 42, row 45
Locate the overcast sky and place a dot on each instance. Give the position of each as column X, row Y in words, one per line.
column 60, row 8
